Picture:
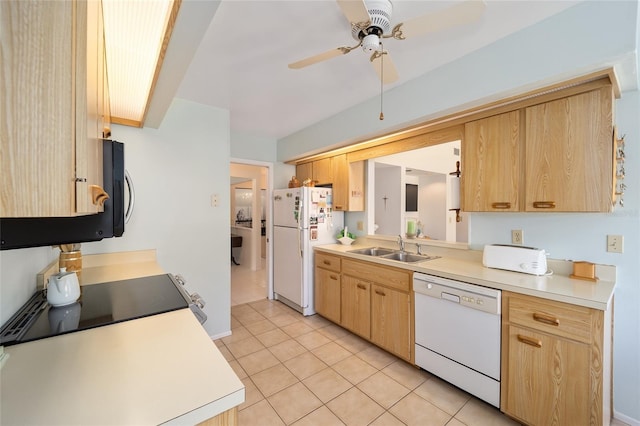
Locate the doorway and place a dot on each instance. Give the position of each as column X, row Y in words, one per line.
column 250, row 229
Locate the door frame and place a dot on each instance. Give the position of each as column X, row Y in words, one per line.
column 269, row 216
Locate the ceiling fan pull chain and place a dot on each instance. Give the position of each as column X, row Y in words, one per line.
column 381, row 79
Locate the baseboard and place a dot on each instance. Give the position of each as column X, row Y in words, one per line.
column 220, row 335
column 626, row 419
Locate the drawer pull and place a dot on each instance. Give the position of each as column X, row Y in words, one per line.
column 326, row 262
column 501, row 205
column 544, row 204
column 530, row 341
column 333, row 277
column 362, row 286
column 546, row 319
column 380, row 292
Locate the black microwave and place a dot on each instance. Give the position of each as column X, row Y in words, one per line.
column 18, row 232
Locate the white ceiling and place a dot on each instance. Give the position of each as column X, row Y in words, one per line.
column 241, row 64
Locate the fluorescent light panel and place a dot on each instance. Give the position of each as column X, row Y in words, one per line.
column 134, row 32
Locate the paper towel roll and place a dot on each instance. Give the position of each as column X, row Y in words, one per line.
column 455, row 193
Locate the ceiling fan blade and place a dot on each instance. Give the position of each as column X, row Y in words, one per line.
column 460, row 14
column 319, row 58
column 354, row 10
column 384, row 67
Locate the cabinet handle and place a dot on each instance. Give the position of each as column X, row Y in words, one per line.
column 530, row 341
column 362, row 286
column 546, row 319
column 333, row 277
column 326, row 262
column 380, row 292
column 98, row 195
column 544, row 204
column 501, row 205
column 338, row 206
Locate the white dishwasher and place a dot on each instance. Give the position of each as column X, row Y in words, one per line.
column 457, row 330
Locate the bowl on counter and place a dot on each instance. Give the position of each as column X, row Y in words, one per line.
column 346, row 241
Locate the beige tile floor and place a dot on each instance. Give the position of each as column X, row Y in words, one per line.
column 308, row 371
column 247, row 285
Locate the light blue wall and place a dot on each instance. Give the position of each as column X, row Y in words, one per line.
column 176, row 169
column 249, row 147
column 587, row 37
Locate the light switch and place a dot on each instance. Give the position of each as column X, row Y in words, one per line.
column 615, row 243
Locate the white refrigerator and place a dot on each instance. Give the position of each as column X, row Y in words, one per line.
column 302, row 218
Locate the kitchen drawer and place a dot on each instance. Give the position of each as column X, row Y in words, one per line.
column 328, row 261
column 391, row 277
column 561, row 319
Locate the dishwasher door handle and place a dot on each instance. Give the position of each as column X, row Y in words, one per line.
column 450, row 297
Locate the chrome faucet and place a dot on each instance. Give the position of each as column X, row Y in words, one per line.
column 400, row 242
column 419, row 249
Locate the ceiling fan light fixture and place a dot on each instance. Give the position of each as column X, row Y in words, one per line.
column 371, row 43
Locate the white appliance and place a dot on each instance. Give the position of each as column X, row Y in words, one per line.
column 302, row 218
column 515, row 258
column 457, row 333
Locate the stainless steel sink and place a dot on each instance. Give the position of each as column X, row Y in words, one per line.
column 372, row 251
column 407, row 257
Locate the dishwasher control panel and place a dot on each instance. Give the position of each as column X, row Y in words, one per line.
column 465, row 294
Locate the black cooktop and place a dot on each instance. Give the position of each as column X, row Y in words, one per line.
column 99, row 305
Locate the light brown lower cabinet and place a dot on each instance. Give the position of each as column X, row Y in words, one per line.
column 226, row 418
column 327, row 294
column 375, row 301
column 391, row 320
column 327, row 286
column 556, row 362
column 356, row 306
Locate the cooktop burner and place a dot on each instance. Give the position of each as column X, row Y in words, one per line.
column 99, row 304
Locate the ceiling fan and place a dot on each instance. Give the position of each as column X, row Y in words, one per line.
column 371, row 23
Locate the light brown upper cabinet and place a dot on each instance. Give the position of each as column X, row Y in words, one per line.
column 346, row 178
column 318, row 171
column 569, row 144
column 348, row 184
column 491, row 159
column 51, row 153
column 304, row 171
column 552, row 156
column 322, row 172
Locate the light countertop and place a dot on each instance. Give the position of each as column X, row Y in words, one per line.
column 157, row 369
column 561, row 288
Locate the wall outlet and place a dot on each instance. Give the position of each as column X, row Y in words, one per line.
column 517, row 237
column 214, row 200
column 615, row 243
column 360, row 226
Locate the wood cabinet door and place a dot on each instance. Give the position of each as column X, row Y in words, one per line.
column 36, row 151
column 340, row 193
column 304, row 171
column 547, row 379
column 51, row 154
column 568, row 153
column 327, row 294
column 89, row 104
column 491, row 161
column 322, row 172
column 356, row 306
column 391, row 320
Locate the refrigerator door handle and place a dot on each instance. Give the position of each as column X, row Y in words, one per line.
column 301, row 222
column 300, row 249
